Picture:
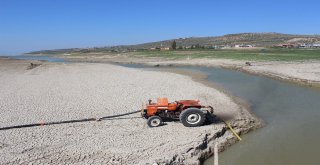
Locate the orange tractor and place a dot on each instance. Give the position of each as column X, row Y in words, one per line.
column 189, row 112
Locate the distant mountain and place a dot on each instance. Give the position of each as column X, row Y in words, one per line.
column 255, row 39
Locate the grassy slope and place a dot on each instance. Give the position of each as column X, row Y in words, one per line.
column 243, row 54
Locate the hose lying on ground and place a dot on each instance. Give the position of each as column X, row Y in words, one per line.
column 67, row 121
column 124, row 114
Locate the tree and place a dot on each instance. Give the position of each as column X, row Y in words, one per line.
column 174, row 45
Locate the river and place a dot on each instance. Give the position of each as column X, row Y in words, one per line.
column 290, row 112
column 43, row 58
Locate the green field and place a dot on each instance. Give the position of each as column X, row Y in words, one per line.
column 269, row 54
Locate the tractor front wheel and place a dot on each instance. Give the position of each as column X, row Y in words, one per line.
column 192, row 117
column 154, row 121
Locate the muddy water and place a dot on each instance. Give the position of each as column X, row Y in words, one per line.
column 291, row 135
column 291, row 113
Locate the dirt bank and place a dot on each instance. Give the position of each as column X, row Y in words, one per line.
column 301, row 72
column 59, row 91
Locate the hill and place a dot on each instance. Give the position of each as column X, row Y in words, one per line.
column 255, row 39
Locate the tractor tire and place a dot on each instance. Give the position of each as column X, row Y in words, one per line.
column 192, row 117
column 154, row 121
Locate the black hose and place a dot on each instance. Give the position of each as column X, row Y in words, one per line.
column 124, row 114
column 67, row 121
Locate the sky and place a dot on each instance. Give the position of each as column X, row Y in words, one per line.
column 29, row 25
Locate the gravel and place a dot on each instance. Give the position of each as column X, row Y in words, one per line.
column 64, row 91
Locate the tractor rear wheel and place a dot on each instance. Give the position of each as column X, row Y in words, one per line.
column 192, row 117
column 154, row 121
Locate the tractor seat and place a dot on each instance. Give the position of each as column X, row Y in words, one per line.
column 162, row 102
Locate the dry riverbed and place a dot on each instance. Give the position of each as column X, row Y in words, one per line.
column 60, row 91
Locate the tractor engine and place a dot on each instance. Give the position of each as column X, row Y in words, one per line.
column 166, row 114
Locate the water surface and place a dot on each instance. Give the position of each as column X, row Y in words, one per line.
column 291, row 114
column 45, row 58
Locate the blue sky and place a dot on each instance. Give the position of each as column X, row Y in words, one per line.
column 27, row 25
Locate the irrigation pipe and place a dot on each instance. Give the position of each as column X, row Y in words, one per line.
column 66, row 121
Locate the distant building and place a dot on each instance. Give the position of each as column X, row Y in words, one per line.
column 160, row 48
column 309, row 45
column 164, row 48
column 316, row 45
column 248, row 46
column 303, row 45
column 243, row 46
column 225, row 47
column 286, row 45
